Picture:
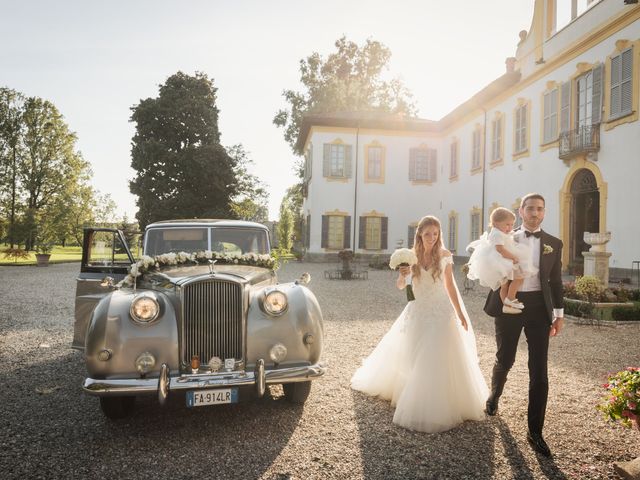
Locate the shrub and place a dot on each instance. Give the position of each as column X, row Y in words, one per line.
column 621, row 294
column 379, row 263
column 15, row 254
column 578, row 309
column 625, row 313
column 589, row 288
column 621, row 401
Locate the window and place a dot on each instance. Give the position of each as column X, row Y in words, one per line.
column 621, row 84
column 550, row 114
column 453, row 164
column 423, row 164
column 584, row 99
column 496, row 139
column 336, row 229
column 308, row 163
column 521, row 125
column 476, row 149
column 372, row 236
column 375, row 164
column 373, row 231
column 453, row 232
column 411, row 235
column 475, row 225
column 337, row 160
column 336, row 232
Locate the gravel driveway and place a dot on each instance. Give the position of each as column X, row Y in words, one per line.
column 50, row 429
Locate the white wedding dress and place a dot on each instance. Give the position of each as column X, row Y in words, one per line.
column 427, row 364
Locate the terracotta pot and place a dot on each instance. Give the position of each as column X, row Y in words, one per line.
column 42, row 259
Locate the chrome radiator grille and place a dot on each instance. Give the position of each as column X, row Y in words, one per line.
column 212, row 321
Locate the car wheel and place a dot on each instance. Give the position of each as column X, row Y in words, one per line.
column 117, row 407
column 297, row 392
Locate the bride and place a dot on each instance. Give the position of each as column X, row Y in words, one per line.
column 427, row 363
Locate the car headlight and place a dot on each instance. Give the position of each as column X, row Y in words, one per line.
column 144, row 309
column 275, row 302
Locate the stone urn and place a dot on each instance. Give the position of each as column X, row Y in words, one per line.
column 598, row 241
column 596, row 260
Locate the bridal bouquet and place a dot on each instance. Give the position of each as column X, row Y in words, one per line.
column 404, row 257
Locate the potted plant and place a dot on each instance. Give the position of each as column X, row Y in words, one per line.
column 43, row 253
column 621, row 403
column 346, row 256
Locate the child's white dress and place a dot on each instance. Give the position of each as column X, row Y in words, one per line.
column 492, row 269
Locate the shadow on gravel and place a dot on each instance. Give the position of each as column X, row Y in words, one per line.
column 50, row 429
column 392, row 452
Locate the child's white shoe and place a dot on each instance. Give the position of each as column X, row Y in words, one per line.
column 515, row 303
column 512, row 306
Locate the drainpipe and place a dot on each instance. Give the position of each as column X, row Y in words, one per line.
column 484, row 169
column 355, row 188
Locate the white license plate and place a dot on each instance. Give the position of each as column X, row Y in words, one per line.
column 200, row 398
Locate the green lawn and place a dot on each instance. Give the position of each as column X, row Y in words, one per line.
column 58, row 255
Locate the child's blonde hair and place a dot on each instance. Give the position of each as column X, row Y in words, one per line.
column 501, row 214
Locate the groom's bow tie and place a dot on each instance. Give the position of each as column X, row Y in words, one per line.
column 535, row 234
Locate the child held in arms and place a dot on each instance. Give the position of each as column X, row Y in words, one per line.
column 498, row 261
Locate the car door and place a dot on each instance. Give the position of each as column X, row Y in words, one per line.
column 106, row 259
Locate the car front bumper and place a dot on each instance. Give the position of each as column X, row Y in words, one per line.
column 166, row 383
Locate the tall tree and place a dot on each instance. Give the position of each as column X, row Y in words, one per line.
column 251, row 197
column 51, row 165
column 285, row 227
column 350, row 79
column 293, row 199
column 11, row 130
column 182, row 169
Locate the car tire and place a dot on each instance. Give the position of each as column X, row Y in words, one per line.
column 117, row 407
column 297, row 392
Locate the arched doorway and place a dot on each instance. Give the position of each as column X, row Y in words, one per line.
column 585, row 213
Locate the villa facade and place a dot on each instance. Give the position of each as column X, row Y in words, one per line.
column 562, row 121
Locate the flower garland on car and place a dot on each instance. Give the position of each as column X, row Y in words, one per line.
column 147, row 263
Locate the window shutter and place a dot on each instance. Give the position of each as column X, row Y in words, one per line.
column 596, row 109
column 308, row 235
column 347, row 233
column 324, row 242
column 433, row 165
column 384, row 228
column 326, row 160
column 347, row 161
column 412, row 164
column 626, row 90
column 615, row 86
column 362, row 234
column 411, row 234
column 565, row 107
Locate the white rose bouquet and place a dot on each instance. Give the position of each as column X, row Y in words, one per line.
column 404, row 257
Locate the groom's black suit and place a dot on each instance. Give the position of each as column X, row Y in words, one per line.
column 535, row 319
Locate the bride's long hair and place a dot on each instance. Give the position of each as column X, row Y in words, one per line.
column 418, row 246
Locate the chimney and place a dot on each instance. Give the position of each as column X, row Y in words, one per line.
column 511, row 64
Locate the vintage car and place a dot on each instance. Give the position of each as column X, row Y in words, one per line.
column 201, row 312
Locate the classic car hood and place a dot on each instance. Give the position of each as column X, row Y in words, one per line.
column 181, row 273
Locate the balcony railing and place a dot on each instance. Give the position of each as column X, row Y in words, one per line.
column 584, row 139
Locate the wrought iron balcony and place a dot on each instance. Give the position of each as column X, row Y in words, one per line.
column 585, row 139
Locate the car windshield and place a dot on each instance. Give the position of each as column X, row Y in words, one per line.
column 194, row 239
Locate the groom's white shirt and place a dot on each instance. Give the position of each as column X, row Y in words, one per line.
column 532, row 284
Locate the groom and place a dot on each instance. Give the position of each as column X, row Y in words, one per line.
column 541, row 318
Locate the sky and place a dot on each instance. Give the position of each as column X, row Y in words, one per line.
column 95, row 60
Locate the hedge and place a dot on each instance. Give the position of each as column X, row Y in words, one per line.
column 625, row 313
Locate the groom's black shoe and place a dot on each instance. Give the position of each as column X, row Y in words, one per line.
column 491, row 407
column 538, row 444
